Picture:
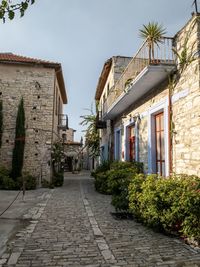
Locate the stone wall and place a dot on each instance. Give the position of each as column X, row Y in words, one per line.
column 36, row 86
column 185, row 102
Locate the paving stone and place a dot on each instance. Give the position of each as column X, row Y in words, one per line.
column 75, row 228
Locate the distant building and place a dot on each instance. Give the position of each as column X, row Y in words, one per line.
column 72, row 152
column 70, row 135
column 41, row 84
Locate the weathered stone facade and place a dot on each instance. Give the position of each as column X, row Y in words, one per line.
column 177, row 98
column 185, row 103
column 37, row 85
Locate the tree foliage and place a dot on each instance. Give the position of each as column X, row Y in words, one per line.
column 152, row 33
column 18, row 151
column 8, row 8
column 92, row 134
column 57, row 155
column 1, row 121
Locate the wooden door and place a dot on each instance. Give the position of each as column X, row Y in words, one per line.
column 160, row 144
column 132, row 143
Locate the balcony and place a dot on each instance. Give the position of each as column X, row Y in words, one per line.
column 62, row 122
column 100, row 124
column 144, row 72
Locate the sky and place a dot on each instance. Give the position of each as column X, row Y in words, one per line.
column 83, row 34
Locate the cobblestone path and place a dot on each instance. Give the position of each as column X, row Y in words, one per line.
column 74, row 228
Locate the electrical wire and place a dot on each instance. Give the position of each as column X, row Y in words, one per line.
column 11, row 203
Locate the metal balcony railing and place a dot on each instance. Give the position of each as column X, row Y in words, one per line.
column 161, row 54
column 62, row 122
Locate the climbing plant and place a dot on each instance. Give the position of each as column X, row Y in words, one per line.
column 1, row 121
column 18, row 151
column 186, row 55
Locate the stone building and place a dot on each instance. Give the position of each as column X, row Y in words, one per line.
column 70, row 135
column 153, row 109
column 73, row 152
column 41, row 84
column 112, row 70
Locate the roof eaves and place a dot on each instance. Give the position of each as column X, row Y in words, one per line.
column 103, row 78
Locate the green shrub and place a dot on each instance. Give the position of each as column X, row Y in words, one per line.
column 119, row 178
column 4, row 171
column 103, row 167
column 58, row 179
column 189, row 202
column 6, row 182
column 101, row 182
column 135, row 189
column 171, row 204
column 120, row 165
column 45, row 183
column 29, row 180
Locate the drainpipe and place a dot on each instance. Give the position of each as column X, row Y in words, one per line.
column 169, row 130
column 52, row 132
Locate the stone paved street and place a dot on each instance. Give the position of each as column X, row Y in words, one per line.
column 75, row 228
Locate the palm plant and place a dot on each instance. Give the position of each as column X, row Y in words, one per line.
column 92, row 134
column 152, row 33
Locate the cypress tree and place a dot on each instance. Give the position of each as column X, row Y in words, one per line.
column 18, row 151
column 1, row 121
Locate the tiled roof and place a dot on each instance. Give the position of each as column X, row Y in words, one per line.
column 10, row 57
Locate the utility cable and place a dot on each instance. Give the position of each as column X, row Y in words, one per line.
column 11, row 203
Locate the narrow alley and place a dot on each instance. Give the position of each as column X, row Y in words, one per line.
column 75, row 228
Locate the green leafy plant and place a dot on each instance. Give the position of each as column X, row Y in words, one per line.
column 135, row 189
column 57, row 156
column 8, row 8
column 18, row 151
column 119, row 178
column 30, row 181
column 6, row 182
column 58, row 179
column 91, row 133
column 120, row 165
column 170, row 204
column 127, row 83
column 101, row 183
column 186, row 55
column 101, row 177
column 153, row 34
